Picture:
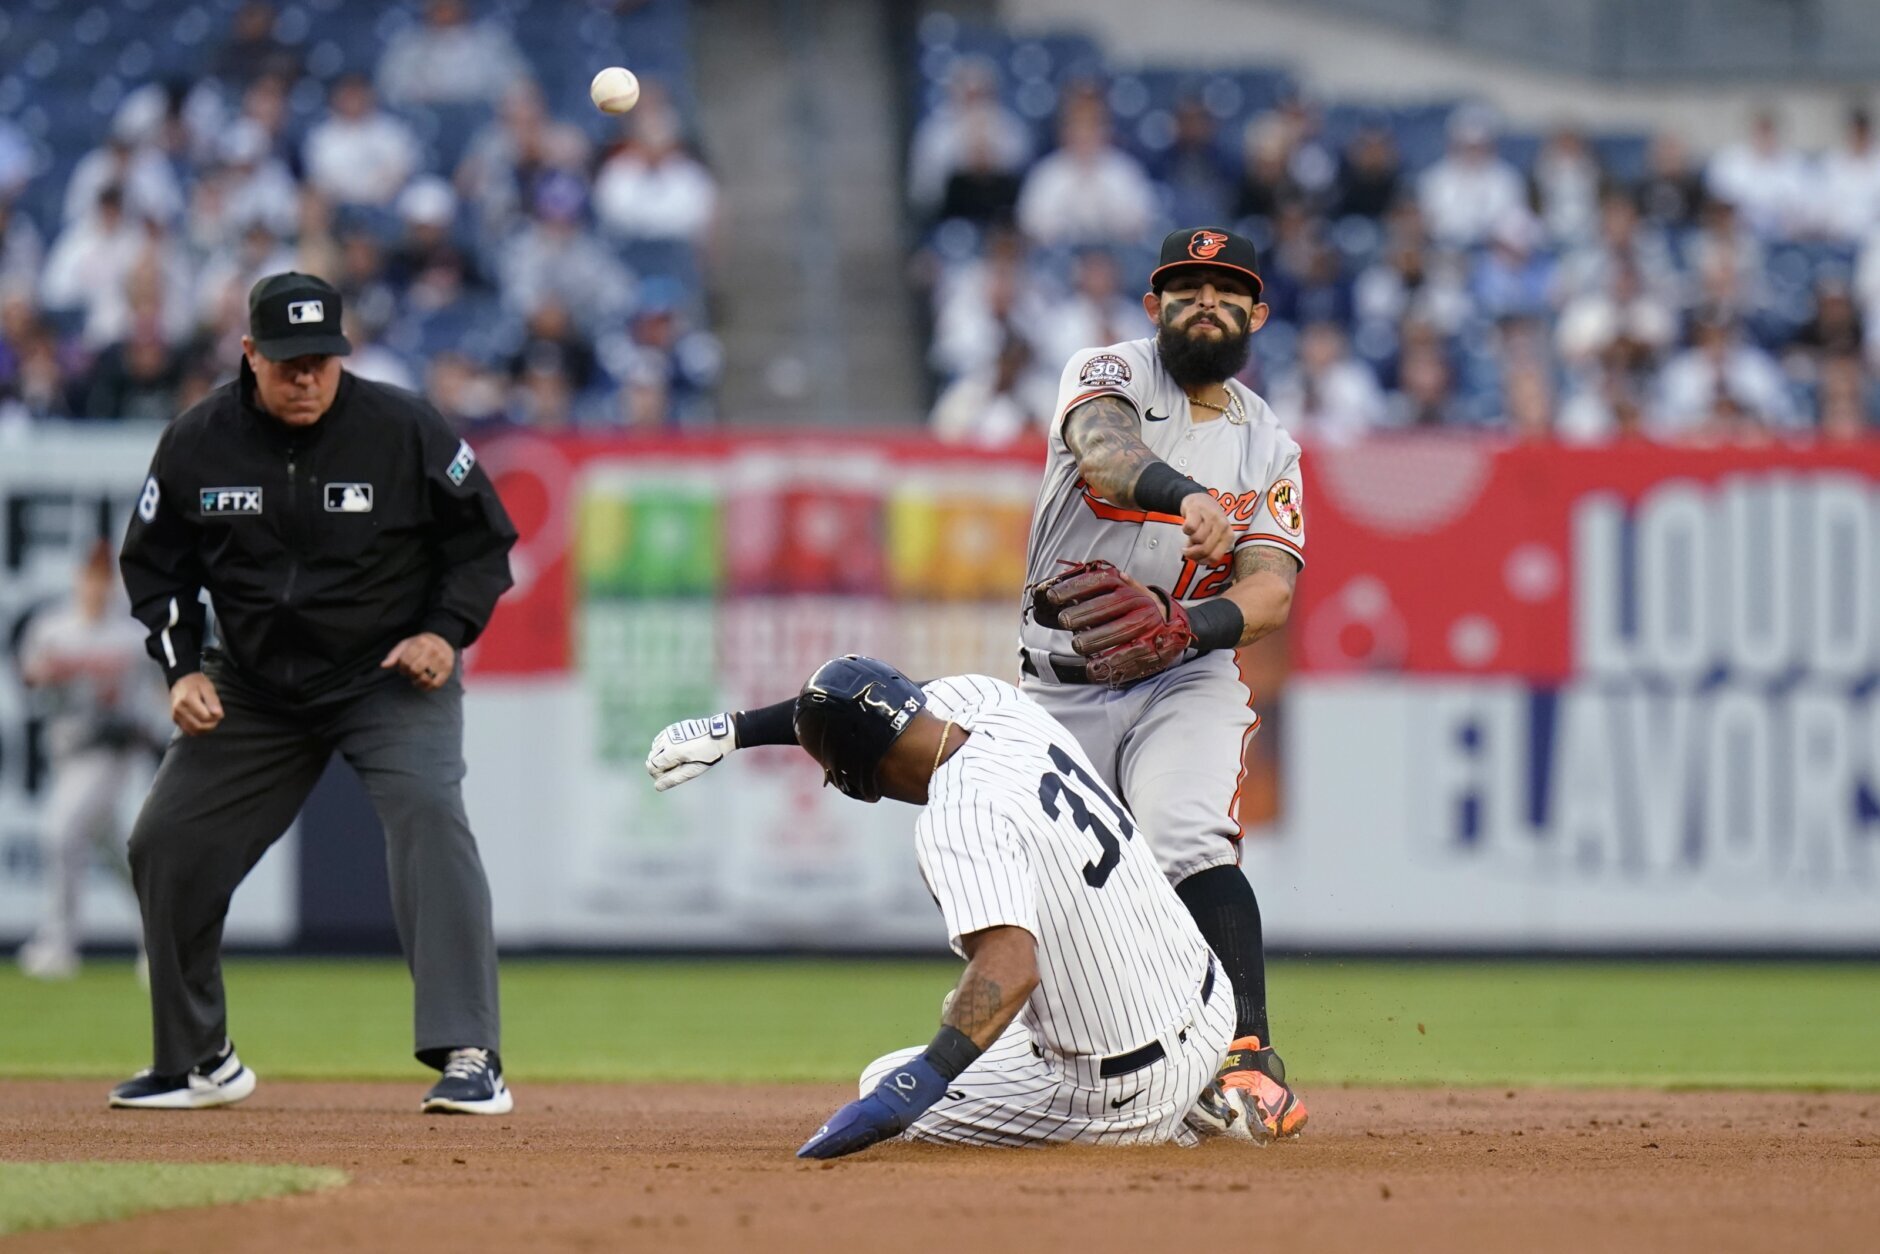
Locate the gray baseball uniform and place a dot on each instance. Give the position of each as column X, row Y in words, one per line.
column 1173, row 745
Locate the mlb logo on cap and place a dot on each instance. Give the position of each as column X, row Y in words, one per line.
column 296, row 315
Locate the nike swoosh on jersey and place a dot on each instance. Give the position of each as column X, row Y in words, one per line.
column 1121, row 1102
column 1151, row 416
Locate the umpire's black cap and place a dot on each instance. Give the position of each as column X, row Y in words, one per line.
column 296, row 315
column 1206, row 247
column 848, row 715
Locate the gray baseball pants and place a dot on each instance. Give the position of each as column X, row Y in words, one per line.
column 221, row 799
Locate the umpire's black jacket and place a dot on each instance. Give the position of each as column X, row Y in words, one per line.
column 321, row 546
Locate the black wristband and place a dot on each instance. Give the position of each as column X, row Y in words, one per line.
column 1217, row 623
column 767, row 725
column 1162, row 488
column 951, row 1051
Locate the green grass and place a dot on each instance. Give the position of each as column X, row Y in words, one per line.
column 57, row 1195
column 1660, row 1025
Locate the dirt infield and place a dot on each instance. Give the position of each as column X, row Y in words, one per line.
column 680, row 1168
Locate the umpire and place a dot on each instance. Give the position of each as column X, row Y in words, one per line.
column 351, row 547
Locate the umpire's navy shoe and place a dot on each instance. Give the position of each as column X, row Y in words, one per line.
column 218, row 1082
column 472, row 1084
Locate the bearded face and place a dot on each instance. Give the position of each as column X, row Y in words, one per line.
column 1204, row 327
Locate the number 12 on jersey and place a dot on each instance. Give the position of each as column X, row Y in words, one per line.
column 1053, row 786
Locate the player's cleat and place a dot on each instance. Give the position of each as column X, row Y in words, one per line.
column 472, row 1084
column 220, row 1081
column 1248, row 1098
column 48, row 960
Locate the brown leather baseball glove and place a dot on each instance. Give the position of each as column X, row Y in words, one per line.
column 1126, row 629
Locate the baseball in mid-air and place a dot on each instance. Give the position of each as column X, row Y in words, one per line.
column 614, row 90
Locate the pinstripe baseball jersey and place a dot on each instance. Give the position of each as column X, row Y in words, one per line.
column 1251, row 467
column 1019, row 830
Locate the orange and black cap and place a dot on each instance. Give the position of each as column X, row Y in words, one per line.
column 1206, row 248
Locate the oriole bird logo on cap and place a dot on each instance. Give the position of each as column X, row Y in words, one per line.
column 1206, row 244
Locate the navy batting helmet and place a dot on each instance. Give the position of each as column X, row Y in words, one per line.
column 848, row 714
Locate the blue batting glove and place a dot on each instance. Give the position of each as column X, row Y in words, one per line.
column 890, row 1110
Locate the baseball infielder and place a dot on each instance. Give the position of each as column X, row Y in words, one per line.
column 1173, row 497
column 1090, row 1009
column 85, row 657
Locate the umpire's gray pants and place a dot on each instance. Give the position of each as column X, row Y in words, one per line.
column 221, row 799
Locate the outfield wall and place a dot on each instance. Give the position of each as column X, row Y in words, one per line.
column 1532, row 697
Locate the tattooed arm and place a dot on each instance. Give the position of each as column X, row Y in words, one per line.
column 1000, row 974
column 1264, row 578
column 1103, row 434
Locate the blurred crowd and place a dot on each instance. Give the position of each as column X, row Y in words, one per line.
column 518, row 267
column 1730, row 296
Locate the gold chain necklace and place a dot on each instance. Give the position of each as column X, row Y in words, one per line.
column 1231, row 411
column 944, row 733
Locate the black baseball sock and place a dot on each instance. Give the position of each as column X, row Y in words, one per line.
column 1228, row 915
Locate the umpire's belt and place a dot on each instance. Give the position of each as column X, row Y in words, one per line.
column 1137, row 1059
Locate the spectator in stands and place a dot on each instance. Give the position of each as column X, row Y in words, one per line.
column 1845, row 188
column 556, row 257
column 252, row 50
column 1527, row 398
column 130, row 161
column 1410, row 281
column 359, row 155
column 237, row 265
column 1725, row 262
column 970, row 123
column 264, row 102
column 1329, row 395
column 1709, row 389
column 19, row 324
column 551, row 341
column 1672, row 191
column 980, row 190
column 136, row 377
column 469, row 397
column 1267, row 185
column 541, row 399
column 371, row 359
column 1201, row 182
column 361, row 279
column 427, row 269
column 89, row 263
column 257, row 184
column 1426, row 389
column 1310, row 161
column 1835, row 329
column 1764, row 178
column 448, row 59
column 1845, row 398
column 1513, row 277
column 1622, row 322
column 1095, row 312
column 996, row 405
column 1370, row 175
column 1471, row 189
column 499, row 170
column 22, row 249
column 1602, row 405
column 652, row 188
column 17, row 160
column 1566, row 187
column 39, row 390
column 670, row 368
column 1089, row 191
column 978, row 311
column 1621, row 244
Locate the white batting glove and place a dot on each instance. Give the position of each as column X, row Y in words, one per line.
column 686, row 749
